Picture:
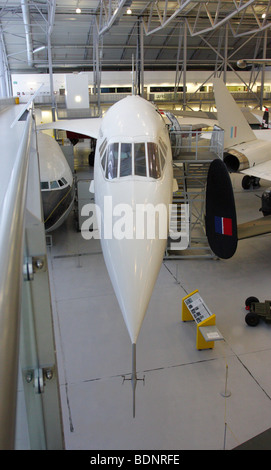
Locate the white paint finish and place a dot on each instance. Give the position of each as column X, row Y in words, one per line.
column 53, row 164
column 133, row 265
column 82, row 126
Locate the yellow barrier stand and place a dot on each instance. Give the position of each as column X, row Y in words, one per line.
column 194, row 308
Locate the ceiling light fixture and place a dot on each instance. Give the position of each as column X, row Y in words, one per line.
column 39, row 49
column 129, row 11
column 78, row 9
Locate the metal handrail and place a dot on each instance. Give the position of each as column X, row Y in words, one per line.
column 11, row 258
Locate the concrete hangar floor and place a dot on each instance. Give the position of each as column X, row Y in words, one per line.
column 181, row 405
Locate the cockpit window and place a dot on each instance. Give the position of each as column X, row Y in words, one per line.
column 162, row 159
column 140, row 160
column 154, row 166
column 53, row 184
column 102, row 147
column 103, row 160
column 44, row 185
column 125, row 159
column 164, row 147
column 112, row 161
column 103, row 152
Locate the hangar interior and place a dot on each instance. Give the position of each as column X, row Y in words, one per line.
column 67, row 372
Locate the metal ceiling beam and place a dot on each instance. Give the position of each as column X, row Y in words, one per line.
column 109, row 13
column 203, row 16
column 4, row 88
column 240, row 16
column 51, row 15
column 51, row 18
column 218, row 18
column 162, row 15
column 27, row 28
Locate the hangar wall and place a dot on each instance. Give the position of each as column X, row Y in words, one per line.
column 26, row 84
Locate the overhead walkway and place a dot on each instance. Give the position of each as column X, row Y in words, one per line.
column 27, row 349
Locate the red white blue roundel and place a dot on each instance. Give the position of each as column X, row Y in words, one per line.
column 223, row 225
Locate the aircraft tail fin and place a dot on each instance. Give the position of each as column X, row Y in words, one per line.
column 230, row 117
column 220, row 217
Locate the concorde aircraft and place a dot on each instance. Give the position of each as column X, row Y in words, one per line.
column 133, row 172
column 56, row 181
column 133, row 167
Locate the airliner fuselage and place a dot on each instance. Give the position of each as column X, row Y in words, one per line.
column 56, row 180
column 133, row 185
column 133, row 189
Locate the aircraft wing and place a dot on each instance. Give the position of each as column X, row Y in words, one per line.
column 87, row 126
column 195, row 114
column 253, row 116
column 254, row 228
column 263, row 134
column 262, row 170
column 196, row 123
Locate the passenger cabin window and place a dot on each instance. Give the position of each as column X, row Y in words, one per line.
column 139, row 159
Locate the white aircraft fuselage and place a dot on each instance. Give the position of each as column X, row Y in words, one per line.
column 132, row 171
column 133, row 186
column 56, row 180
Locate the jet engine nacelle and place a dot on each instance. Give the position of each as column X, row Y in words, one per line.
column 235, row 161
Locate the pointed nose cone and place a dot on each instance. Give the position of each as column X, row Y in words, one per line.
column 134, row 245
column 133, row 267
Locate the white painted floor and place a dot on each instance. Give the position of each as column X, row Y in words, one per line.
column 180, row 406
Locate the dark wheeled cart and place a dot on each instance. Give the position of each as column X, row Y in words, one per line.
column 257, row 310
